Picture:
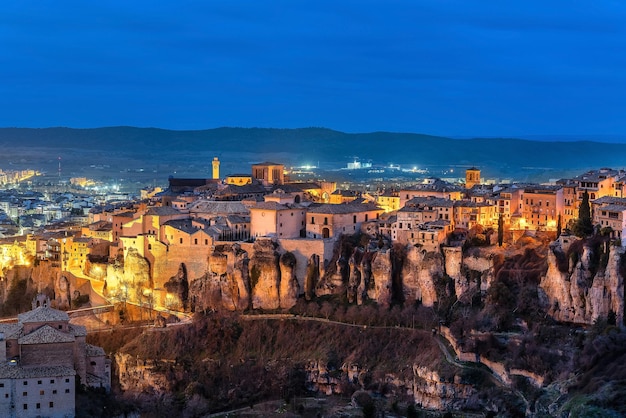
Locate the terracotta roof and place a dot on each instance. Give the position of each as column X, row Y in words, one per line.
column 46, row 335
column 43, row 314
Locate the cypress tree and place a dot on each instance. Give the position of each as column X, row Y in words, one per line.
column 500, row 230
column 583, row 226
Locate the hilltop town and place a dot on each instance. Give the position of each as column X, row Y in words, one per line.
column 257, row 241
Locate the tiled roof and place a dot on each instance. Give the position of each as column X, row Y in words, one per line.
column 184, row 225
column 268, row 163
column 93, row 351
column 17, row 372
column 43, row 314
column 613, row 208
column 46, row 335
column 11, row 331
column 610, row 200
column 269, row 206
column 218, row 207
column 342, row 208
column 597, row 175
column 162, row 211
column 78, row 330
column 430, row 201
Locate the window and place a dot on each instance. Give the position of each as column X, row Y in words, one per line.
column 1, row 385
column 366, row 217
column 54, row 392
column 181, row 240
column 38, row 406
column 39, row 382
column 24, row 393
column 41, row 392
column 25, row 406
column 195, row 241
column 25, row 383
column 354, row 219
column 51, row 404
column 206, row 242
column 51, row 380
column 313, row 220
column 66, row 391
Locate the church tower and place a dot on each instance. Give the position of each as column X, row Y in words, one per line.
column 216, row 168
column 472, row 177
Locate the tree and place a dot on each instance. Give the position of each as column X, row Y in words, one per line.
column 558, row 226
column 500, row 230
column 583, row 226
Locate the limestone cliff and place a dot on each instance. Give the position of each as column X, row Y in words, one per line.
column 418, row 274
column 225, row 285
column 289, row 288
column 265, row 275
column 137, row 376
column 573, row 293
column 127, row 281
column 312, row 276
column 431, row 391
column 380, row 280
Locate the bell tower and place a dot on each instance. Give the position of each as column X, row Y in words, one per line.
column 216, row 168
column 472, row 177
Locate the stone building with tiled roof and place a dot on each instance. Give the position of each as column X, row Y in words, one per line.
column 328, row 220
column 40, row 356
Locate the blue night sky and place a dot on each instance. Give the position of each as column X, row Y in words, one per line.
column 437, row 67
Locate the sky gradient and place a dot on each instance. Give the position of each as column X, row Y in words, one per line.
column 453, row 68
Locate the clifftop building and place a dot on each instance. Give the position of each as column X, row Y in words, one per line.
column 40, row 357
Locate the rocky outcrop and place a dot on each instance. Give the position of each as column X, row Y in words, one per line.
column 178, row 286
column 479, row 272
column 289, row 288
column 142, row 376
column 431, row 392
column 265, row 275
column 335, row 280
column 226, row 284
column 419, row 270
column 312, row 276
column 577, row 294
column 380, row 280
column 129, row 279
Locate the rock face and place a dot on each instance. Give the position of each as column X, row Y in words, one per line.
column 380, row 277
column 128, row 280
column 577, row 295
column 312, row 276
column 430, row 392
column 178, row 286
column 289, row 288
column 226, row 284
column 420, row 269
column 425, row 385
column 265, row 275
column 142, row 376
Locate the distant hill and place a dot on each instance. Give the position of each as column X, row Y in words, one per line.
column 334, row 148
